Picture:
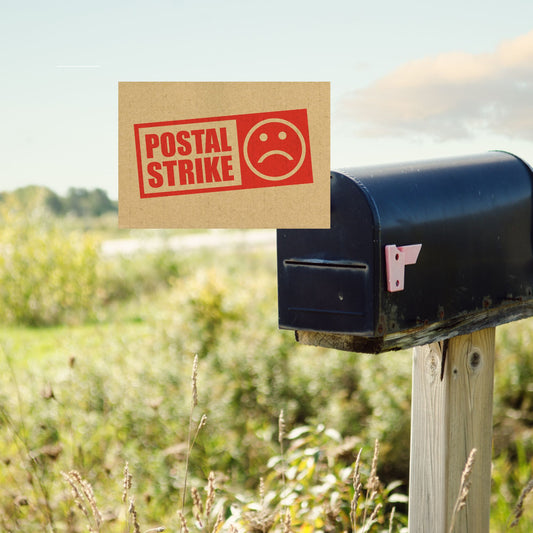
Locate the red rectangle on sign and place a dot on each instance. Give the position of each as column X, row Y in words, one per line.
column 223, row 153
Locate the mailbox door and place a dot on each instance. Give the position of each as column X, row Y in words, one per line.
column 327, row 278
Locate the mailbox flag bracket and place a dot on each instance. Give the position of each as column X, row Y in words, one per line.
column 396, row 257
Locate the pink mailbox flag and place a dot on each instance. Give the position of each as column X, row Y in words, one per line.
column 396, row 257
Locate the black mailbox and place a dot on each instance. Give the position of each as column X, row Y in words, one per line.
column 416, row 253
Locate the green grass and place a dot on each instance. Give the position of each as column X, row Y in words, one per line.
column 29, row 346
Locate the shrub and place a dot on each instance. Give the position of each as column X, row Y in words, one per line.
column 46, row 276
column 124, row 277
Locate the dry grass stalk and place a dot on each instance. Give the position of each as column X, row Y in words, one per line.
column 183, row 522
column 133, row 512
column 287, row 521
column 357, row 487
column 372, row 484
column 197, row 502
column 218, row 523
column 89, row 494
column 281, row 428
column 195, row 381
column 201, row 424
column 83, row 494
column 191, row 440
column 391, row 519
column 198, row 507
column 281, row 436
column 262, row 491
column 210, row 498
column 373, row 479
column 78, row 500
column 464, row 488
column 126, row 483
column 518, row 511
column 375, row 513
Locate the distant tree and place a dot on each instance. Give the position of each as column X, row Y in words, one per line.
column 55, row 204
column 100, row 203
column 74, row 201
column 85, row 203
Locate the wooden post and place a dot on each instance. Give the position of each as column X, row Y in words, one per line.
column 451, row 414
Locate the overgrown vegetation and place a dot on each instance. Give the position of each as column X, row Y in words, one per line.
column 107, row 382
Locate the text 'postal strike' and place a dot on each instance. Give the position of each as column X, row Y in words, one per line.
column 223, row 153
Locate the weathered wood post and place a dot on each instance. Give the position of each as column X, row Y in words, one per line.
column 451, row 415
column 433, row 256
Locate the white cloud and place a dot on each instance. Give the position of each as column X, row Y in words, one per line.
column 451, row 96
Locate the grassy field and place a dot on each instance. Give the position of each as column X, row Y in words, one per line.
column 105, row 381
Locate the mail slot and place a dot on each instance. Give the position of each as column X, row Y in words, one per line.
column 416, row 252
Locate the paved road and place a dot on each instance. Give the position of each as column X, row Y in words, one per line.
column 212, row 239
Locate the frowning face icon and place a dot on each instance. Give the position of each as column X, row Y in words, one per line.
column 274, row 149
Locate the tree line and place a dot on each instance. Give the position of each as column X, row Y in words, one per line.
column 77, row 202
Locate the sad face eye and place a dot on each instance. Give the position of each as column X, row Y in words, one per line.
column 282, row 135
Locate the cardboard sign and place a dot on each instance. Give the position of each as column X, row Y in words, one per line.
column 214, row 155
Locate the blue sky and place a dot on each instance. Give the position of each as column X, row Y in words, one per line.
column 410, row 80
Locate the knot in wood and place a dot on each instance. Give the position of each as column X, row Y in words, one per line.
column 432, row 364
column 474, row 360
